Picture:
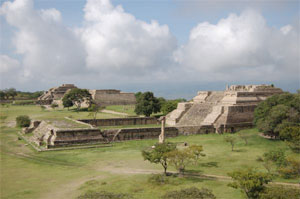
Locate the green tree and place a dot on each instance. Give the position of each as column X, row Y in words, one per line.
column 147, row 104
column 244, row 136
column 94, row 109
column 277, row 156
column 292, row 135
column 54, row 105
column 158, row 154
column 67, row 102
column 291, row 168
column 277, row 112
column 23, row 121
column 77, row 96
column 180, row 158
column 190, row 193
column 231, row 140
column 168, row 106
column 250, row 182
column 280, row 192
column 11, row 92
column 2, row 95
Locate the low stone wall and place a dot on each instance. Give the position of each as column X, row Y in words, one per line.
column 77, row 136
column 70, row 137
column 139, row 133
column 190, row 130
column 121, row 121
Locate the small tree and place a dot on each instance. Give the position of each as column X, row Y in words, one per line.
column 190, row 193
column 250, row 182
column 245, row 137
column 291, row 168
column 23, row 121
column 147, row 104
column 94, row 109
column 67, row 102
column 231, row 140
column 276, row 156
column 181, row 158
column 159, row 154
column 292, row 136
column 77, row 96
column 280, row 192
column 54, row 105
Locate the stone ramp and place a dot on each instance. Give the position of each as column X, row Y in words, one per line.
column 199, row 111
column 196, row 114
column 175, row 116
column 213, row 116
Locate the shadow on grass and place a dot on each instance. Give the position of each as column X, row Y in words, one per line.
column 239, row 150
column 209, row 164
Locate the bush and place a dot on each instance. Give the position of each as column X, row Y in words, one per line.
column 103, row 195
column 23, row 121
column 190, row 193
column 280, row 192
column 276, row 156
column 158, row 179
column 291, row 169
column 54, row 105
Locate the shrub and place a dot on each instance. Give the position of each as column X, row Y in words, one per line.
column 190, row 193
column 231, row 140
column 291, row 169
column 103, row 195
column 158, row 179
column 23, row 121
column 249, row 181
column 280, row 192
column 277, row 156
column 54, row 105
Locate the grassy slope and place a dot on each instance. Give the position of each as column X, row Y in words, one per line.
column 66, row 174
column 129, row 109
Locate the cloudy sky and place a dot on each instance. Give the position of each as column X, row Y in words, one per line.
column 173, row 48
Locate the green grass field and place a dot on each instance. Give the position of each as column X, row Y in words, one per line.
column 27, row 174
column 128, row 109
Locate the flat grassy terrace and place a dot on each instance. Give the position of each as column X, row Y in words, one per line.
column 27, row 174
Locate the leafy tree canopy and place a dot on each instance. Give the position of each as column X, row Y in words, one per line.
column 146, row 104
column 277, row 112
column 77, row 96
column 250, row 182
column 159, row 154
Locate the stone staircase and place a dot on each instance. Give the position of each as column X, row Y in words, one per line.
column 199, row 111
column 213, row 116
column 175, row 116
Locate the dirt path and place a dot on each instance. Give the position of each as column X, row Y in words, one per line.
column 201, row 176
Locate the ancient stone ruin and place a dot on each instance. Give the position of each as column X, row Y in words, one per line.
column 101, row 97
column 208, row 112
column 222, row 111
column 54, row 95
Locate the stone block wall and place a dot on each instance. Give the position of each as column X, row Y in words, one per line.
column 112, row 97
column 122, row 121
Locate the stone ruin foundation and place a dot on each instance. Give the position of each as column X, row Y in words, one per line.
column 209, row 112
column 222, row 111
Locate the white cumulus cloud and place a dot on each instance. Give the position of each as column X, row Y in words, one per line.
column 116, row 41
column 241, row 47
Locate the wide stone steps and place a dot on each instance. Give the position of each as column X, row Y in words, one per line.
column 213, row 116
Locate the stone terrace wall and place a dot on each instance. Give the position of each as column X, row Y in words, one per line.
column 77, row 136
column 112, row 97
column 139, row 133
column 121, row 121
column 70, row 137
